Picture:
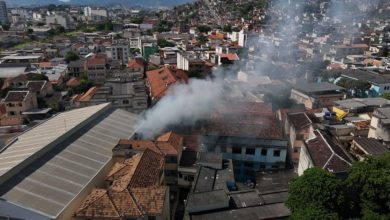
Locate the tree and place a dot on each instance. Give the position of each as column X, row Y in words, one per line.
column 204, row 28
column 314, row 212
column 137, row 20
column 227, row 28
column 71, row 56
column 357, row 87
column 84, row 86
column 370, row 179
column 318, row 188
column 164, row 43
column 202, row 39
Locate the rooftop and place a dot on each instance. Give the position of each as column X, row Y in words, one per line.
column 161, row 79
column 72, row 147
column 371, row 146
column 362, row 103
column 135, row 190
column 16, row 96
column 317, row 87
column 271, row 211
column 366, row 76
column 326, row 154
column 299, row 120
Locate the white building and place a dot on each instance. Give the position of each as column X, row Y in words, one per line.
column 3, row 13
column 59, row 19
column 380, row 124
column 95, row 14
column 242, row 38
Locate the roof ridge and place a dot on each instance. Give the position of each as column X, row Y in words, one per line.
column 92, row 202
column 133, row 197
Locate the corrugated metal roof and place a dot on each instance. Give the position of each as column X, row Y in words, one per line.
column 50, row 183
column 40, row 136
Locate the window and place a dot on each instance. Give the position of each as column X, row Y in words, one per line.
column 248, row 164
column 171, row 160
column 236, row 150
column 250, row 151
column 296, row 149
column 276, row 153
column 264, row 152
column 125, row 102
column 262, row 166
column 275, row 166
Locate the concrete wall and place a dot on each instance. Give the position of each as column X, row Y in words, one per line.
column 305, row 161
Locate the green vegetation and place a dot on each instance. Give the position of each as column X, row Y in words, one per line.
column 204, row 28
column 71, row 56
column 137, row 20
column 364, row 194
column 164, row 43
column 359, row 87
column 84, row 86
column 202, row 39
column 162, row 26
column 386, row 95
column 56, row 31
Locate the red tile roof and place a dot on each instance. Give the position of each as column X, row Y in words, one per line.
column 86, row 97
column 251, row 120
column 229, row 56
column 135, row 190
column 135, row 64
column 73, row 82
column 95, row 61
column 161, row 79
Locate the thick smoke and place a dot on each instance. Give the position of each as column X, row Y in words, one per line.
column 183, row 103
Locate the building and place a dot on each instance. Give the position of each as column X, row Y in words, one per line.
column 119, row 51
column 380, row 83
column 341, row 51
column 76, row 67
column 242, row 38
column 41, row 88
column 317, row 95
column 160, row 80
column 63, row 20
column 3, row 13
column 248, row 134
column 134, row 191
column 380, row 124
column 95, row 14
column 356, row 106
column 96, row 69
column 299, row 127
column 17, row 102
column 136, row 65
column 214, row 195
column 191, row 62
column 62, row 160
column 129, row 95
column 170, row 145
column 322, row 151
column 363, row 147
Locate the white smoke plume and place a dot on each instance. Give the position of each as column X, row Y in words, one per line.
column 183, row 103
